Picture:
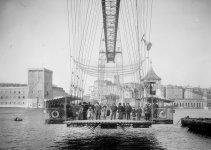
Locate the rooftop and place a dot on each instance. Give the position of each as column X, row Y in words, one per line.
column 39, row 69
column 12, row 85
column 151, row 75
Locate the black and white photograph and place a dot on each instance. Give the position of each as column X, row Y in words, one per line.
column 105, row 74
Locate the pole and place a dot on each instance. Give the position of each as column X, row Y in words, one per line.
column 37, row 102
column 65, row 108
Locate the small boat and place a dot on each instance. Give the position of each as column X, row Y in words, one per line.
column 199, row 125
column 18, row 119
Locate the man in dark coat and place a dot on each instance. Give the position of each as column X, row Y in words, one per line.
column 113, row 111
column 124, row 111
column 128, row 110
column 86, row 107
column 98, row 111
column 139, row 112
column 120, row 111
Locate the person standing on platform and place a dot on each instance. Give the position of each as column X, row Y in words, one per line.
column 113, row 111
column 98, row 111
column 80, row 112
column 139, row 112
column 74, row 111
column 146, row 112
column 155, row 110
column 104, row 112
column 124, row 111
column 120, row 111
column 86, row 107
column 128, row 111
column 134, row 113
column 90, row 113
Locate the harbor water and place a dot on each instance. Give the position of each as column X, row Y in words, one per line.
column 33, row 133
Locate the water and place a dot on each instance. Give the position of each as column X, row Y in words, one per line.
column 32, row 133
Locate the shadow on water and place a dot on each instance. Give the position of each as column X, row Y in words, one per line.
column 105, row 139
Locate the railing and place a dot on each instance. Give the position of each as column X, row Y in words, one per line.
column 61, row 114
column 55, row 115
column 163, row 115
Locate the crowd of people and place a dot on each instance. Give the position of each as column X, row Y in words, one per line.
column 87, row 111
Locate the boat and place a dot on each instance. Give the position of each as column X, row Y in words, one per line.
column 18, row 119
column 198, row 125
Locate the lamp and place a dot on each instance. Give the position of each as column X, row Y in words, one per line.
column 147, row 43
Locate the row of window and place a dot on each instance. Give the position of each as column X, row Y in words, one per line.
column 12, row 97
column 6, row 103
column 188, row 104
column 11, row 91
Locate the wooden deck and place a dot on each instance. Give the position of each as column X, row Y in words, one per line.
column 109, row 124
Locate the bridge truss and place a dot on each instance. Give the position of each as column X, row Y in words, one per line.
column 110, row 9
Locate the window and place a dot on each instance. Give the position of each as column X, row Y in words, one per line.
column 14, row 91
column 23, row 102
column 5, row 102
column 19, row 97
column 23, row 97
column 19, row 92
column 10, row 102
column 1, row 97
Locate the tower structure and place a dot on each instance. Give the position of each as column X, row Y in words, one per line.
column 152, row 83
column 39, row 86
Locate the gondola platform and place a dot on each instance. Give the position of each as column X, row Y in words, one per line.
column 109, row 124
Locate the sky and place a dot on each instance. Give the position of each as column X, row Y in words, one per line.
column 34, row 34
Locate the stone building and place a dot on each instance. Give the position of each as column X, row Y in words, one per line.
column 13, row 95
column 40, row 86
column 174, row 92
column 58, row 91
column 31, row 95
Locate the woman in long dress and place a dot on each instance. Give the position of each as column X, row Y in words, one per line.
column 90, row 113
column 104, row 112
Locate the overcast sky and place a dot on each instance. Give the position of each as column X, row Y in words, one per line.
column 33, row 34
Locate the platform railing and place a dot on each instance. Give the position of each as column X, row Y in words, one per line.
column 55, row 115
column 61, row 114
column 163, row 115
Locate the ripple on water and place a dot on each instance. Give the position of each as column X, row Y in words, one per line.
column 32, row 133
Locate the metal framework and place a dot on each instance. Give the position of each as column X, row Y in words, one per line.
column 110, row 10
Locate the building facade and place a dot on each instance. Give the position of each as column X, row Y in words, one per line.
column 31, row 95
column 13, row 95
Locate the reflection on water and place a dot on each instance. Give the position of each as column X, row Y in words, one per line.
column 110, row 139
column 32, row 133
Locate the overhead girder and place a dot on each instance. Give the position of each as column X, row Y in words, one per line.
column 110, row 10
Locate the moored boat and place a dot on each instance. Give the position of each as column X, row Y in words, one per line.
column 18, row 119
column 199, row 125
